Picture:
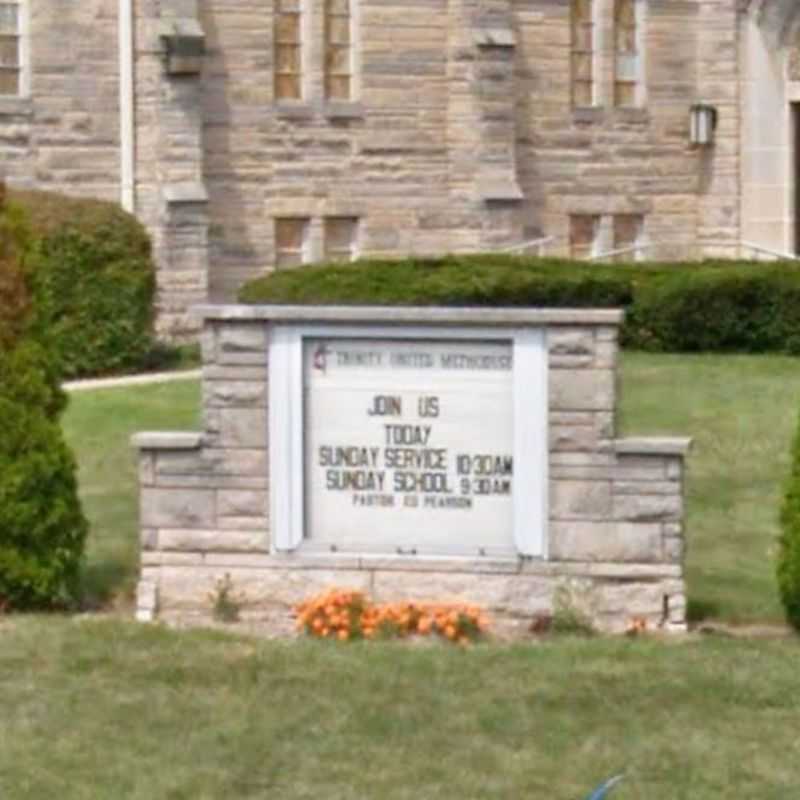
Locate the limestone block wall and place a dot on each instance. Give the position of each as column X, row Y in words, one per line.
column 719, row 226
column 64, row 136
column 171, row 194
column 767, row 151
column 422, row 156
column 615, row 529
column 461, row 135
column 608, row 160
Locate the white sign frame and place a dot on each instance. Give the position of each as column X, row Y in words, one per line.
column 530, row 423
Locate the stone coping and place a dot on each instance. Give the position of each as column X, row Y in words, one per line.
column 167, row 440
column 624, row 570
column 653, row 445
column 419, row 315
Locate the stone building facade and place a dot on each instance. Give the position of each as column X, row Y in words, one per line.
column 253, row 135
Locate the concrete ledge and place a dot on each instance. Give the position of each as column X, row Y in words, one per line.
column 494, row 36
column 87, row 384
column 403, row 315
column 343, row 110
column 167, row 440
column 499, row 189
column 653, row 445
column 186, row 192
column 336, row 563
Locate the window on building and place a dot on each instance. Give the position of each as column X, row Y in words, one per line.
column 338, row 50
column 626, row 53
column 627, row 235
column 291, row 241
column 341, row 238
column 288, row 50
column 583, row 230
column 11, row 49
column 582, row 52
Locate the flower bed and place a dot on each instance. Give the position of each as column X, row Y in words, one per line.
column 345, row 615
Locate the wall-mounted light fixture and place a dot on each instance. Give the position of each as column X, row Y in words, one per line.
column 702, row 124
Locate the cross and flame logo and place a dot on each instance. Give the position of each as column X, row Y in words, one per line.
column 321, row 357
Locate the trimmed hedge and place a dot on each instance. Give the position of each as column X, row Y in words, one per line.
column 91, row 280
column 726, row 306
column 788, row 563
column 480, row 280
column 733, row 307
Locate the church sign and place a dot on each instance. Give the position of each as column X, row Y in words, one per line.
column 424, row 454
column 410, row 444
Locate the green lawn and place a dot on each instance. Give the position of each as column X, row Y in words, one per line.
column 98, row 425
column 96, row 708
column 741, row 411
column 108, row 709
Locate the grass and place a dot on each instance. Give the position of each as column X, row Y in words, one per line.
column 98, row 426
column 97, row 708
column 741, row 411
column 106, row 709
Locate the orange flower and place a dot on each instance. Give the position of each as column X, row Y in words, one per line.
column 345, row 613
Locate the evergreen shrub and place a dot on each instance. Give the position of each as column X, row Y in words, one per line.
column 14, row 299
column 725, row 306
column 42, row 527
column 92, row 283
column 788, row 563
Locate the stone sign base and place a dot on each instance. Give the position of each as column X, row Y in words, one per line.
column 612, row 533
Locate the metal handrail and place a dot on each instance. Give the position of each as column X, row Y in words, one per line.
column 622, row 251
column 525, row 245
column 757, row 248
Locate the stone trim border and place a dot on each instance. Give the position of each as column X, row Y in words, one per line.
column 421, row 315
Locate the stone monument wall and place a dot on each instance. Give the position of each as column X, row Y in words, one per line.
column 615, row 536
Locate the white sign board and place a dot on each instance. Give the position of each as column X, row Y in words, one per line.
column 409, row 445
column 408, row 439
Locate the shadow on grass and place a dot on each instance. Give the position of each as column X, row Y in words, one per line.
column 105, row 583
column 702, row 610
